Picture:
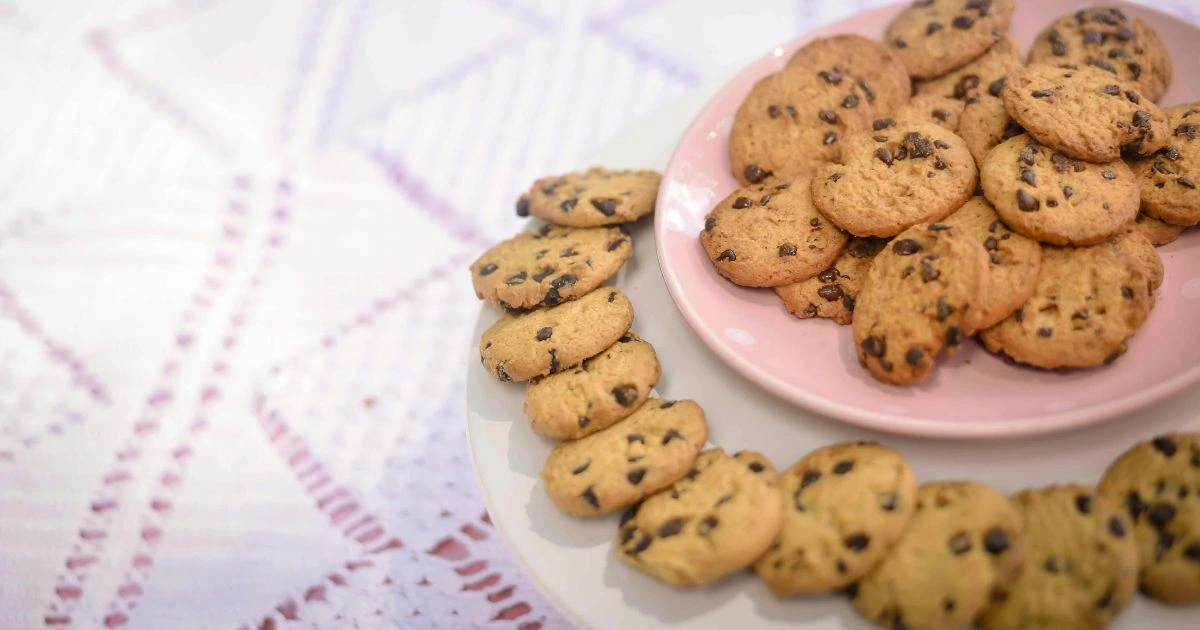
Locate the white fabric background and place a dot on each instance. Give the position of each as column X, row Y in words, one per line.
column 234, row 308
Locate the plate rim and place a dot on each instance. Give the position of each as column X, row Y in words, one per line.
column 897, row 424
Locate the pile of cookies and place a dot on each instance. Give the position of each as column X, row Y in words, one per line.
column 847, row 518
column 934, row 187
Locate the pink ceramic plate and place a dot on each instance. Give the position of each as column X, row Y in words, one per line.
column 973, row 394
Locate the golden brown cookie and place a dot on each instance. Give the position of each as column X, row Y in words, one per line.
column 1158, row 232
column 597, row 196
column 831, row 293
column 933, row 37
column 1169, row 178
column 939, row 110
column 876, row 71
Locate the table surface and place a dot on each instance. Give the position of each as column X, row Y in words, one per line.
column 233, row 298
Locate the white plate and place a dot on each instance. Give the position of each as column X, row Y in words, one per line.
column 571, row 559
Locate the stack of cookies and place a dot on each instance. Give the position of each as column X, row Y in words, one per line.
column 933, row 187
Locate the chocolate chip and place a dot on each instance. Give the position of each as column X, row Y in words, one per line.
column 607, row 207
column 642, row 544
column 787, row 249
column 616, row 244
column 581, row 468
column 707, row 525
column 995, row 541
column 589, row 495
column 1135, row 69
column 1165, row 541
column 1045, row 332
column 488, row 269
column 773, row 111
column 742, row 203
column 843, row 467
column 710, row 222
column 1067, row 192
column 884, row 155
column 546, row 272
column 829, row 275
column 914, row 356
column 929, row 273
column 1186, row 182
column 810, row 477
column 995, row 87
column 831, row 292
column 516, row 279
column 635, row 476
column 1141, row 118
column 1124, row 33
column 569, row 204
column 671, row 435
column 754, row 174
column 555, row 367
column 882, row 123
column 887, row 501
column 1102, row 64
column 833, row 77
column 959, row 543
column 584, row 422
column 857, row 542
column 899, row 42
column 1116, row 526
column 1057, row 564
column 815, row 222
column 1133, row 97
column 670, row 528
column 851, row 591
column 954, row 336
column 1169, row 152
column 1112, row 90
column 791, row 110
column 1042, row 93
column 1026, row 202
column 523, row 206
column 1093, row 37
column 544, row 333
column 1028, row 176
column 727, row 255
column 868, row 91
column 1192, row 552
column 810, row 310
column 850, row 102
column 1160, row 514
column 830, row 137
column 941, row 144
column 1164, row 444
column 943, row 309
column 963, row 22
column 1134, row 504
column 829, row 116
column 967, row 82
column 906, row 247
column 932, row 28
column 1027, row 156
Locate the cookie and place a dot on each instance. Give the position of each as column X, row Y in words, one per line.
column 1080, row 563
column 1088, row 302
column 1104, row 38
column 597, row 196
column 548, row 341
column 1084, row 112
column 1158, row 232
column 618, row 466
column 548, row 266
column 1135, row 245
column 1013, row 260
column 894, row 177
column 985, row 74
column 875, row 70
column 765, row 236
column 602, row 391
column 933, row 37
column 845, row 505
column 792, row 121
column 1158, row 485
column 831, row 293
column 939, row 110
column 984, row 124
column 1168, row 179
column 717, row 519
column 964, row 540
column 1045, row 195
column 921, row 296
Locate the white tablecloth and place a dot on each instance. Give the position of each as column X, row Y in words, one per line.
column 234, row 307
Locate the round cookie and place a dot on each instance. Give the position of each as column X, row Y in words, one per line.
column 877, row 72
column 1135, row 245
column 1169, row 178
column 765, row 236
column 984, row 124
column 548, row 266
column 717, row 519
column 964, row 541
column 602, row 391
column 597, row 196
column 1103, row 37
column 1048, row 196
column 1083, row 112
column 921, row 295
column 1158, row 485
column 618, row 466
column 939, row 110
column 984, row 74
column 548, row 341
column 1158, row 232
column 1088, row 302
column 845, row 505
column 831, row 293
column 1013, row 260
column 793, row 120
column 1080, row 563
column 894, row 177
column 933, row 37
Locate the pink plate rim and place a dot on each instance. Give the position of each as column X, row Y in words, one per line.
column 904, row 424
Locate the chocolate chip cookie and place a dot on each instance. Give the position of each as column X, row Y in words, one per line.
column 921, row 296
column 1158, row 484
column 895, row 176
column 845, row 505
column 984, row 124
column 1080, row 563
column 1088, row 302
column 597, row 196
column 548, row 266
column 1169, row 178
column 877, row 72
column 1084, row 112
column 1135, row 245
column 939, row 110
column 602, row 391
column 1104, row 38
column 618, row 466
column 831, row 293
column 1048, row 196
column 1157, row 231
column 964, row 541
column 792, row 121
column 985, row 74
column 1013, row 260
column 717, row 519
column 765, row 236
column 933, row 37
column 548, row 341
